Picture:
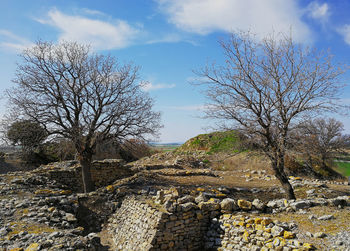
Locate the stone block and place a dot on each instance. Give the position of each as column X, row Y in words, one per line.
column 244, row 204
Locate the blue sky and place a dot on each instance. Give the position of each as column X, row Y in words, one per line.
column 169, row 39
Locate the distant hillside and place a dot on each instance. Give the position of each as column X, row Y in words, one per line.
column 164, row 147
column 227, row 141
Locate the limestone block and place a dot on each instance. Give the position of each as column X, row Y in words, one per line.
column 244, row 204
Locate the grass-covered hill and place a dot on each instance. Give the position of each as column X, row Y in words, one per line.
column 227, row 141
column 239, row 152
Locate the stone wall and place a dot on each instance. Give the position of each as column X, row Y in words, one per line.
column 173, row 221
column 239, row 232
column 68, row 173
column 149, row 227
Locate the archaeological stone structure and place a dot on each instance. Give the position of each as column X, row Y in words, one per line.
column 174, row 221
column 102, row 172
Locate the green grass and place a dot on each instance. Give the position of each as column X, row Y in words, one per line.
column 164, row 147
column 227, row 141
column 343, row 168
column 223, row 142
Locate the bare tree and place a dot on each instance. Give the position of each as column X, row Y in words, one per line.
column 265, row 86
column 83, row 97
column 322, row 138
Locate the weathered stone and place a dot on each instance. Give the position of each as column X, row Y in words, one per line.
column 308, row 246
column 3, row 231
column 258, row 204
column 326, row 217
column 319, row 235
column 185, row 199
column 228, row 205
column 339, row 201
column 288, row 235
column 201, row 198
column 188, row 206
column 244, row 204
column 33, row 247
column 209, row 206
column 302, row 204
column 70, row 218
column 277, row 231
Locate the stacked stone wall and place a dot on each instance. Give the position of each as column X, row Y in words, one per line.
column 149, row 227
column 239, row 232
column 136, row 225
column 68, row 173
column 171, row 221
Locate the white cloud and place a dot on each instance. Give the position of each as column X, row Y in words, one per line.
column 148, row 86
column 93, row 12
column 101, row 35
column 197, row 79
column 171, row 38
column 345, row 32
column 260, row 17
column 189, row 108
column 12, row 42
column 319, row 11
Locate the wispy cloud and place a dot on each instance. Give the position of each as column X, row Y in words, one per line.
column 189, row 107
column 93, row 12
column 318, row 11
column 148, row 86
column 261, row 17
column 101, row 35
column 171, row 38
column 12, row 42
column 194, row 79
column 344, row 31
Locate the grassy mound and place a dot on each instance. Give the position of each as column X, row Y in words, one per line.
column 343, row 168
column 227, row 141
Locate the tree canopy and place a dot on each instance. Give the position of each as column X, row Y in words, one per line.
column 265, row 87
column 26, row 133
column 82, row 96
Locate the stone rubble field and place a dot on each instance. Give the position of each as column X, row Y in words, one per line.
column 168, row 203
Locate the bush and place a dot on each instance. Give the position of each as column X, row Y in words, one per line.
column 292, row 164
column 134, row 149
column 26, row 133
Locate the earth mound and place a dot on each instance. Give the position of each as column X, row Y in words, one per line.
column 215, row 142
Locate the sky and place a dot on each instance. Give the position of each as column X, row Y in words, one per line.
column 169, row 40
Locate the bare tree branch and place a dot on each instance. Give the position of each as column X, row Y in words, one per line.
column 265, row 87
column 81, row 96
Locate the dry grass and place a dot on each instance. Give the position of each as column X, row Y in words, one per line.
column 239, row 161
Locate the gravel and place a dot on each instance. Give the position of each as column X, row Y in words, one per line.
column 341, row 241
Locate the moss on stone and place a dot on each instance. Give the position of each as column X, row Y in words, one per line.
column 33, row 247
column 31, row 228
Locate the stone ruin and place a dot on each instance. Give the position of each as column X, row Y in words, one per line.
column 173, row 221
column 68, row 173
column 145, row 219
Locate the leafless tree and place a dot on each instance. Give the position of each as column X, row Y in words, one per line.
column 322, row 138
column 83, row 97
column 265, row 86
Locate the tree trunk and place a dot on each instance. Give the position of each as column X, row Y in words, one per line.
column 278, row 168
column 85, row 159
